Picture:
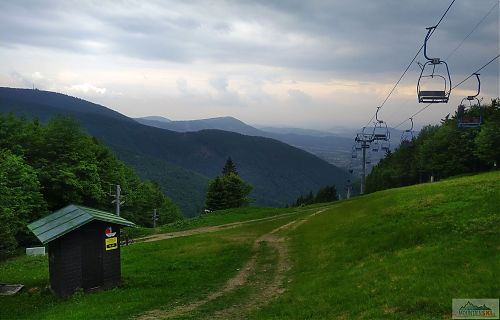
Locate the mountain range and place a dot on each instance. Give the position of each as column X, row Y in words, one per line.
column 183, row 162
column 334, row 149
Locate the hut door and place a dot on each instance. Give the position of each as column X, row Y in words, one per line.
column 92, row 268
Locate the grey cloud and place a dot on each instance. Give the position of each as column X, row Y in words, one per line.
column 299, row 97
column 355, row 36
column 182, row 85
column 220, row 84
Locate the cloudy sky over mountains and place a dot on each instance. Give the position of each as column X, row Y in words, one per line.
column 315, row 64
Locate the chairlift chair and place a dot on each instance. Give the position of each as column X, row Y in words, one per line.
column 385, row 146
column 375, row 146
column 407, row 136
column 380, row 129
column 364, row 137
column 433, row 96
column 354, row 153
column 468, row 121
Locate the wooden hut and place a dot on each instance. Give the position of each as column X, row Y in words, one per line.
column 84, row 248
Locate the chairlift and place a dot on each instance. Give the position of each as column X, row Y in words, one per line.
column 471, row 121
column 363, row 140
column 368, row 157
column 380, row 129
column 354, row 154
column 407, row 136
column 364, row 137
column 385, row 146
column 433, row 96
column 375, row 146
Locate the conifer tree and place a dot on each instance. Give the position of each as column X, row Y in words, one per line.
column 229, row 168
column 227, row 191
column 216, row 195
column 236, row 191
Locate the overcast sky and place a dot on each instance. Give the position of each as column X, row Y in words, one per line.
column 312, row 64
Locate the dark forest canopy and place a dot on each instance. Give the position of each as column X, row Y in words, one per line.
column 46, row 167
column 325, row 194
column 442, row 151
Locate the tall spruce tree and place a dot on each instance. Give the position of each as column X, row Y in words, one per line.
column 216, row 195
column 229, row 168
column 237, row 191
column 227, row 191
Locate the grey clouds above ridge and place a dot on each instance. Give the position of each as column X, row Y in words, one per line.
column 244, row 53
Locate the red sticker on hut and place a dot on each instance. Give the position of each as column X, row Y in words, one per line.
column 109, row 232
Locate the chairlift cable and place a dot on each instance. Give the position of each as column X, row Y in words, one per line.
column 477, row 71
column 472, row 31
column 460, row 45
column 458, row 84
column 411, row 63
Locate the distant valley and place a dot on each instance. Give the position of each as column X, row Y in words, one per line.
column 332, row 148
column 183, row 162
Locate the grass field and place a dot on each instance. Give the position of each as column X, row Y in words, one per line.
column 213, row 219
column 396, row 254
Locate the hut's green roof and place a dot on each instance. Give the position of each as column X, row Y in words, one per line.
column 70, row 218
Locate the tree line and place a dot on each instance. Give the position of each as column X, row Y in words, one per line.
column 325, row 194
column 441, row 151
column 44, row 167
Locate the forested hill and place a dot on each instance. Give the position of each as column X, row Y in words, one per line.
column 45, row 167
column 332, row 148
column 442, row 151
column 278, row 172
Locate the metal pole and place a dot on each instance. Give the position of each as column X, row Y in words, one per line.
column 363, row 174
column 154, row 218
column 118, row 199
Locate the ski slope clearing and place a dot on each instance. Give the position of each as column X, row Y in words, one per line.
column 397, row 254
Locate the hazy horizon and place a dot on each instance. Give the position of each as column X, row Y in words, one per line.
column 313, row 65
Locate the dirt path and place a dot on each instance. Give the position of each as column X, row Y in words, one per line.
column 252, row 274
column 169, row 235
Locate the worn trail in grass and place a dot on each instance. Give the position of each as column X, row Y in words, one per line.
column 397, row 254
column 181, row 269
column 263, row 276
column 155, row 274
column 189, row 232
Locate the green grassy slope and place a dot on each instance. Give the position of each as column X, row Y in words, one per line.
column 397, row 254
column 154, row 274
column 217, row 218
